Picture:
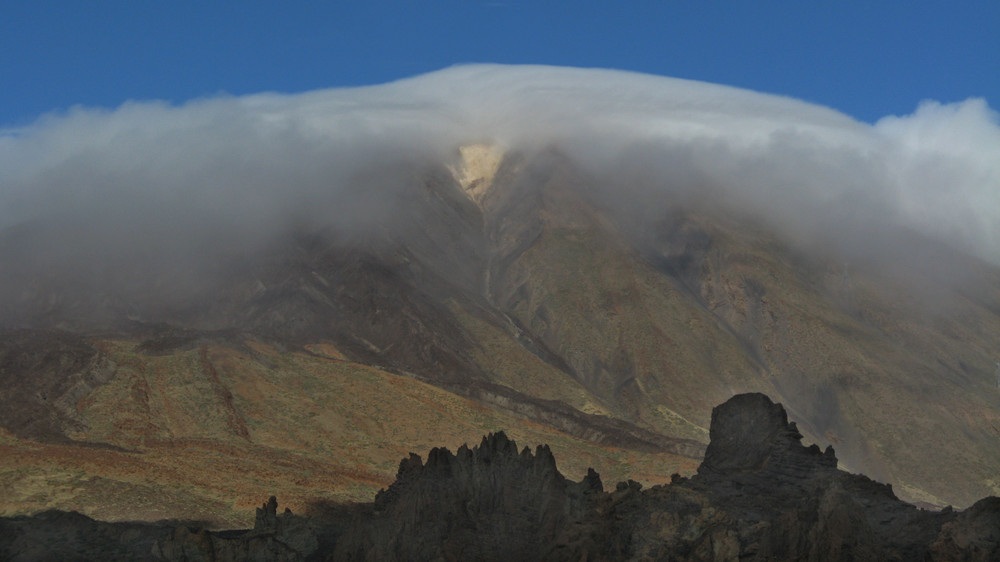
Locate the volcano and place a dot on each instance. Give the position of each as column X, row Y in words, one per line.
column 162, row 364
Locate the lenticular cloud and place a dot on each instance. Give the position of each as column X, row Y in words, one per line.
column 247, row 165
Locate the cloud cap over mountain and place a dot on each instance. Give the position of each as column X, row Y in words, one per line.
column 229, row 171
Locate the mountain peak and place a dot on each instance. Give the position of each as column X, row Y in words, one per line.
column 476, row 168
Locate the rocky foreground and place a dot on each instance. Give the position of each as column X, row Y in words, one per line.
column 759, row 495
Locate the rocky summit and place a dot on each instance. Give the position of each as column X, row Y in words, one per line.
column 759, row 494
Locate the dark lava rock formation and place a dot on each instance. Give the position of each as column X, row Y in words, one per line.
column 759, row 495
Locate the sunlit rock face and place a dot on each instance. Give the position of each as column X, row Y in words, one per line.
column 477, row 169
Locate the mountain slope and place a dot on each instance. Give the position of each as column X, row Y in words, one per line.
column 500, row 290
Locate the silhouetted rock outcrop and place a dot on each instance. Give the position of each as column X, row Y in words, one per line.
column 749, row 433
column 759, row 495
column 489, row 502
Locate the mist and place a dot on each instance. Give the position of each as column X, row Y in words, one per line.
column 173, row 187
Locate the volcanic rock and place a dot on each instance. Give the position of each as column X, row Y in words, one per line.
column 759, row 495
column 489, row 502
column 749, row 433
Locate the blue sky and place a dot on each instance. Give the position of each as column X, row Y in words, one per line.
column 866, row 59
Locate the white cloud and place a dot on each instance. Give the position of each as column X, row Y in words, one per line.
column 944, row 162
column 233, row 169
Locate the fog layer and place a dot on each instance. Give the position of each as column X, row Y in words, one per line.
column 224, row 173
